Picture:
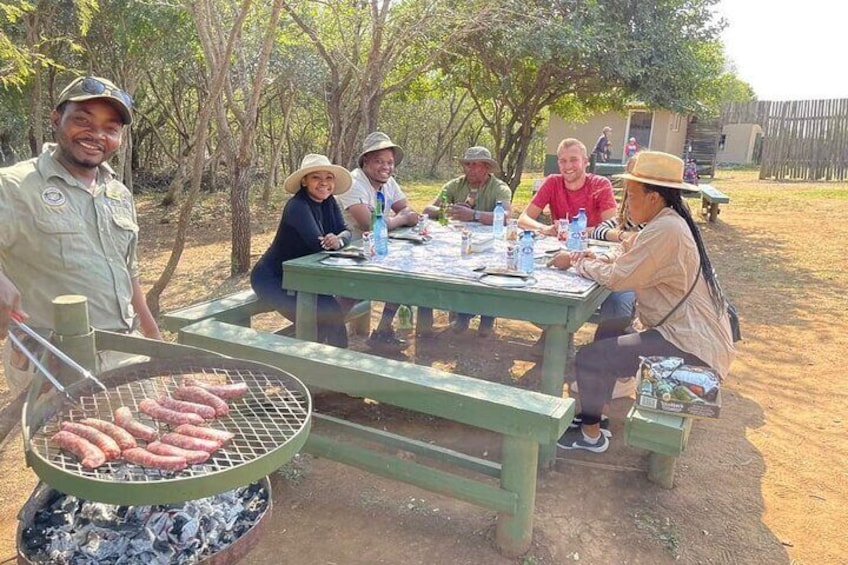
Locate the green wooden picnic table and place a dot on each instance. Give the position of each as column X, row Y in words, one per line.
column 414, row 276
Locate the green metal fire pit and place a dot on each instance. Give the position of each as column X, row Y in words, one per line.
column 271, row 423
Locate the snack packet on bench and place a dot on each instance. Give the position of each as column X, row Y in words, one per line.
column 656, row 368
column 702, row 381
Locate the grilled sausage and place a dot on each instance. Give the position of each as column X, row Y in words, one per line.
column 203, row 396
column 145, row 458
column 192, row 456
column 203, row 410
column 159, row 412
column 104, row 442
column 225, row 391
column 124, row 418
column 122, row 437
column 221, row 436
column 190, row 443
column 89, row 454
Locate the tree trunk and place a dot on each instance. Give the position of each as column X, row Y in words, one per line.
column 219, row 71
column 240, row 210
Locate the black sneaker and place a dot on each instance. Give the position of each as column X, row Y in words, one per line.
column 385, row 339
column 578, row 420
column 573, row 439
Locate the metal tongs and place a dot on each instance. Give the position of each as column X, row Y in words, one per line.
column 85, row 373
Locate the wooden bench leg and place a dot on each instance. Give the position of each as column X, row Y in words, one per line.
column 423, row 322
column 514, row 532
column 661, row 469
column 713, row 212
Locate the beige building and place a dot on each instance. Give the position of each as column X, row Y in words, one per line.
column 738, row 143
column 659, row 130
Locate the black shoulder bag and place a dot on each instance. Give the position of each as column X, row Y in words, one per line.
column 733, row 316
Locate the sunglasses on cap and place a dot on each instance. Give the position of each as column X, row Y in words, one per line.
column 91, row 85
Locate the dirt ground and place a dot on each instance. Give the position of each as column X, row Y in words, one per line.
column 766, row 483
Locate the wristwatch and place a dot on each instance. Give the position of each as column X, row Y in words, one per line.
column 476, row 215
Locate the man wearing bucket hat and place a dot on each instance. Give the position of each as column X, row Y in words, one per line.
column 471, row 198
column 68, row 225
column 374, row 187
column 311, row 222
column 680, row 308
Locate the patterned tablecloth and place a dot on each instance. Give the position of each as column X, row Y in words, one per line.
column 441, row 257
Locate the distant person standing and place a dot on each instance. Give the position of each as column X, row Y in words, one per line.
column 630, row 149
column 690, row 171
column 603, row 147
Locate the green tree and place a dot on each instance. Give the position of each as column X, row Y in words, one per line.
column 535, row 55
column 372, row 49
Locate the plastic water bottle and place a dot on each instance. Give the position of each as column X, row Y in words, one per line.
column 498, row 221
column 574, row 242
column 404, row 315
column 381, row 202
column 525, row 251
column 381, row 237
column 582, row 222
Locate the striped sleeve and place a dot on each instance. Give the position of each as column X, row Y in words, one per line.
column 602, row 229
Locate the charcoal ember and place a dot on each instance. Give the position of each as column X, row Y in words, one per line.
column 185, row 529
column 34, row 537
column 56, row 518
column 99, row 513
column 177, row 534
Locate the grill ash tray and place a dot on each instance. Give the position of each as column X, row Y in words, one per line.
column 270, row 422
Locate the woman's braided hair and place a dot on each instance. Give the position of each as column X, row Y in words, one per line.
column 673, row 199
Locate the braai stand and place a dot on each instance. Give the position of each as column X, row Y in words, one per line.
column 270, row 422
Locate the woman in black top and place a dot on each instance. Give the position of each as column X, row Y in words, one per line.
column 312, row 221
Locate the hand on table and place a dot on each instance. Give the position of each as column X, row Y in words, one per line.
column 566, row 259
column 331, row 242
column 411, row 218
column 404, row 218
column 460, row 213
column 549, row 230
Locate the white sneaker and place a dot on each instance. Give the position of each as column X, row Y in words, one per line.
column 623, row 388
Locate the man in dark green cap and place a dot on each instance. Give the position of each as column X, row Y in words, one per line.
column 68, row 225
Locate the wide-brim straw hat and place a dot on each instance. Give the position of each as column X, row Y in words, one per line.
column 377, row 140
column 479, row 153
column 313, row 163
column 657, row 168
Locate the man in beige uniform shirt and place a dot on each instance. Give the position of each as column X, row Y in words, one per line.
column 68, row 226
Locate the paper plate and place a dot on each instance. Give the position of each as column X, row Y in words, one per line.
column 341, row 261
column 506, row 281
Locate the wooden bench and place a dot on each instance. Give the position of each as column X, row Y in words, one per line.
column 239, row 307
column 664, row 435
column 711, row 198
column 522, row 418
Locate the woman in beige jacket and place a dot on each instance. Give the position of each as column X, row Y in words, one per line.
column 661, row 264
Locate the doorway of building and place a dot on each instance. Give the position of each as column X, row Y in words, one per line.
column 639, row 126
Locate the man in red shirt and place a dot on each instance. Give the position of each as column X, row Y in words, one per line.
column 564, row 194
